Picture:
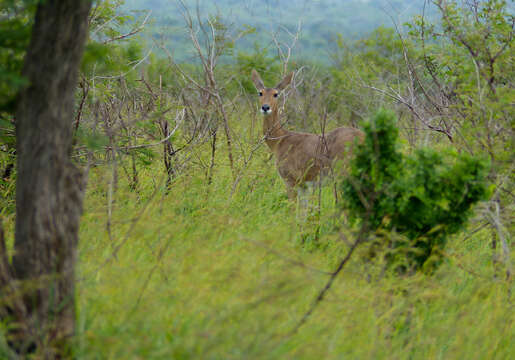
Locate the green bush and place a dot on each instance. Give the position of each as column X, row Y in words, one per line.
column 424, row 197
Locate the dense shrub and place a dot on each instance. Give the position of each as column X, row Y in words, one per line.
column 424, row 197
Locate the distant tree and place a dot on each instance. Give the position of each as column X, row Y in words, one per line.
column 40, row 282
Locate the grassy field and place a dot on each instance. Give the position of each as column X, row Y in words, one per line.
column 200, row 274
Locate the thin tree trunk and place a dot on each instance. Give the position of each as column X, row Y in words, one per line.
column 227, row 135
column 49, row 187
column 213, row 153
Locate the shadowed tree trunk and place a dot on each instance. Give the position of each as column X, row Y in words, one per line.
column 49, row 187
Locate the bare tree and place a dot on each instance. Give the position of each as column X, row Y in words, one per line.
column 210, row 39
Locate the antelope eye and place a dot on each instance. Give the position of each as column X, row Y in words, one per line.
column 276, row 94
column 260, row 93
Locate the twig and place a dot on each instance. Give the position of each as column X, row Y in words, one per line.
column 112, row 77
column 133, row 32
column 177, row 123
column 85, row 89
column 142, row 146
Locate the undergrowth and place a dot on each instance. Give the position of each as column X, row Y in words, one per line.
column 198, row 274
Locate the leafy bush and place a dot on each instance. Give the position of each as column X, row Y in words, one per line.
column 425, row 197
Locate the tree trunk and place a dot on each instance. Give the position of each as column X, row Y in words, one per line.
column 49, row 187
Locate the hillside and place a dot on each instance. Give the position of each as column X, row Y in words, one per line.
column 321, row 21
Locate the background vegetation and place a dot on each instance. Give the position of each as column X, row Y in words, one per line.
column 188, row 245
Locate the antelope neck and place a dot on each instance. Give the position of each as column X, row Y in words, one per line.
column 272, row 129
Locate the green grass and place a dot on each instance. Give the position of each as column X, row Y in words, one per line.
column 208, row 276
column 199, row 274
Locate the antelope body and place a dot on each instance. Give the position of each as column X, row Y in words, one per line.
column 300, row 157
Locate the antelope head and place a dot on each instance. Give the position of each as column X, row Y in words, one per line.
column 268, row 96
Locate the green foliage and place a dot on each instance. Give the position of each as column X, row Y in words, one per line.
column 16, row 18
column 92, row 141
column 259, row 59
column 7, row 185
column 376, row 60
column 159, row 71
column 380, row 53
column 425, row 196
column 104, row 57
column 469, row 55
column 110, row 59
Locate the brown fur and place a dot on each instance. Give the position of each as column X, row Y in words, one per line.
column 300, row 157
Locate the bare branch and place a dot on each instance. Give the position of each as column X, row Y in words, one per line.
column 132, row 32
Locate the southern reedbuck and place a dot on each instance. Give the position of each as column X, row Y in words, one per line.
column 300, row 157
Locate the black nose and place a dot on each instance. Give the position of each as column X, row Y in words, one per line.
column 265, row 107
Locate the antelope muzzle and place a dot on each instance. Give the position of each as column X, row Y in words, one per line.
column 265, row 109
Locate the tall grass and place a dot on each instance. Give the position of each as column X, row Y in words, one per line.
column 200, row 274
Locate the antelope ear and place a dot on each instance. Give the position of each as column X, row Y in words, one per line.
column 258, row 83
column 285, row 82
